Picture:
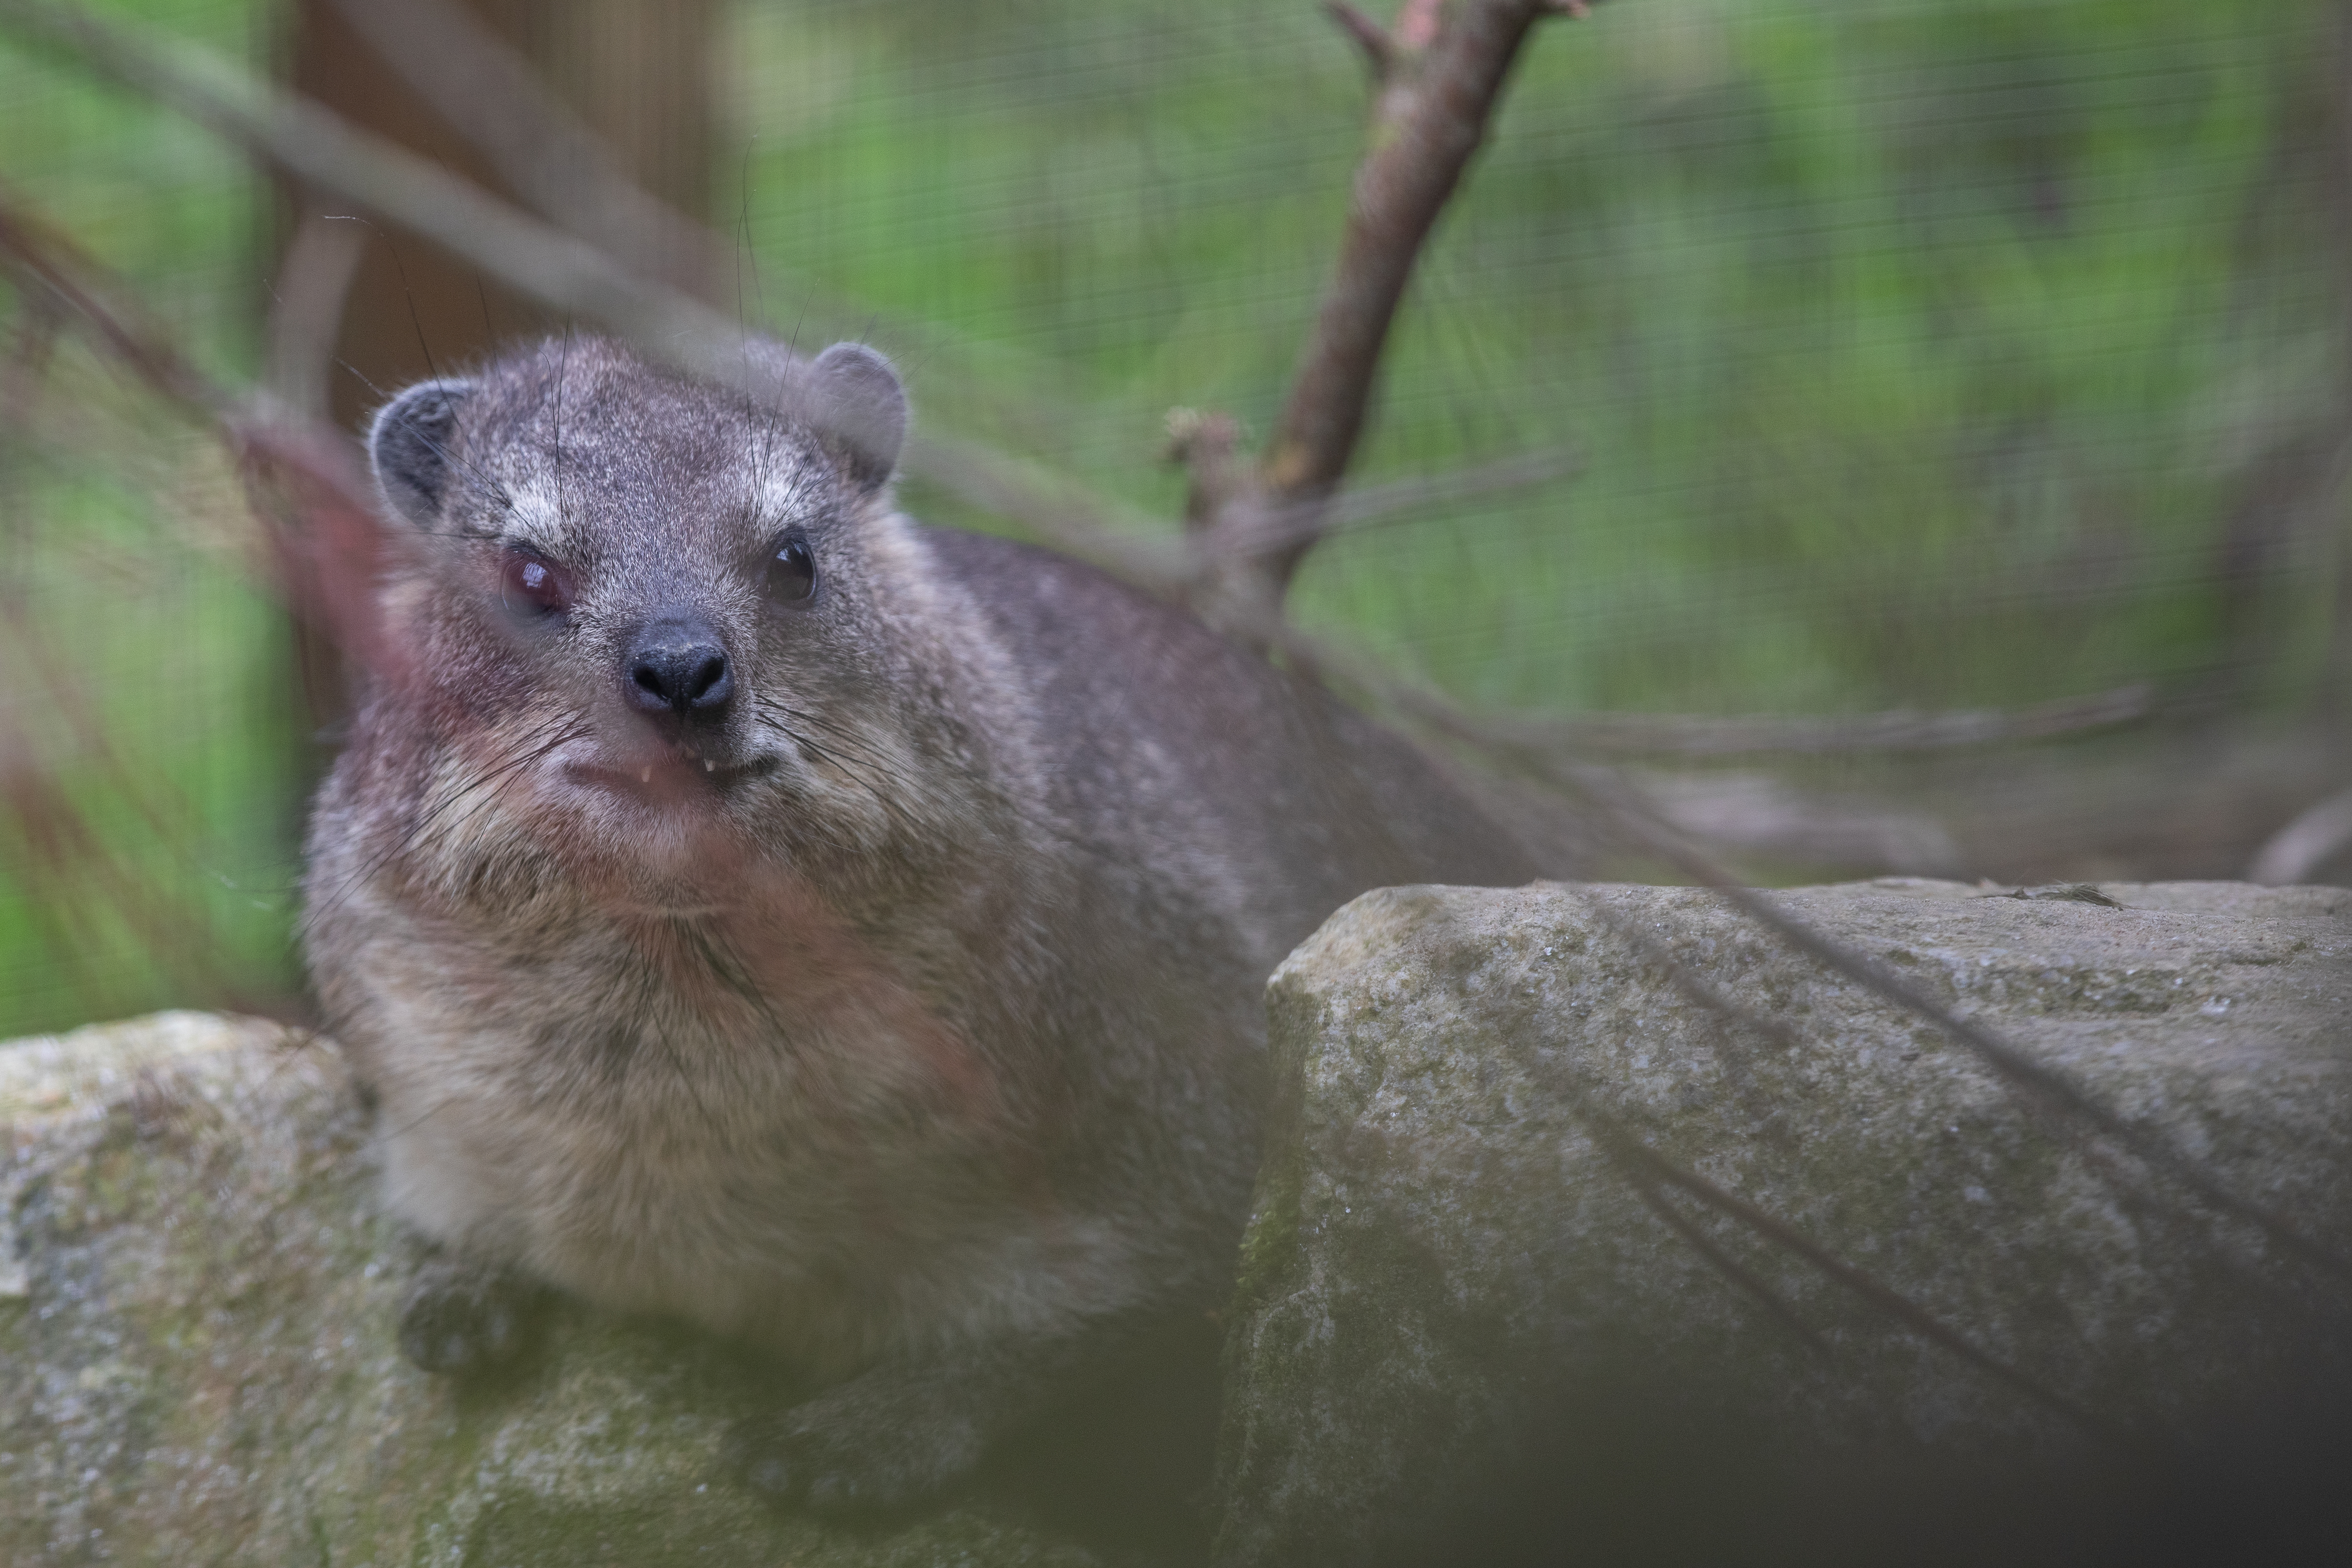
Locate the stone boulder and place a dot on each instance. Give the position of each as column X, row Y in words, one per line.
column 1598, row 1226
column 198, row 1366
column 1506, row 1295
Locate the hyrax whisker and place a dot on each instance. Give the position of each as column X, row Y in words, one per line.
column 413, row 835
column 1036, row 822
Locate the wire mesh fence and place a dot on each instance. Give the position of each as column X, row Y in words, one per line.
column 1903, row 355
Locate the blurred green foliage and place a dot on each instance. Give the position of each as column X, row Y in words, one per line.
column 146, row 738
column 1910, row 345
column 1917, row 352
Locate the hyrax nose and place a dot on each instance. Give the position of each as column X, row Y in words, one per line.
column 677, row 666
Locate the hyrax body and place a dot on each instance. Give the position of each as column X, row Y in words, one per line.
column 748, row 906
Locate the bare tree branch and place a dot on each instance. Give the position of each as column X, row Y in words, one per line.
column 568, row 274
column 1066, row 515
column 61, row 282
column 564, row 273
column 1440, row 69
column 311, row 143
column 1899, row 731
column 1368, row 35
column 1417, row 23
column 573, row 276
column 29, row 356
column 560, row 166
column 1756, row 813
column 326, row 571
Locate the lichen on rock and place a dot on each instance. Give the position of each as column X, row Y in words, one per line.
column 197, row 1359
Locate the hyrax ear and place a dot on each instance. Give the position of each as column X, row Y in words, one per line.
column 856, row 398
column 409, row 445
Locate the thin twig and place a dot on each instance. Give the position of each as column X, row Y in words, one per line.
column 326, row 572
column 1903, row 729
column 562, row 272
column 1647, row 1165
column 1068, row 516
column 56, row 275
column 561, row 167
column 20, row 376
column 312, row 144
column 1204, row 443
column 1607, row 796
column 570, row 275
column 1399, row 500
column 1758, row 813
column 1722, row 1262
column 2035, row 1081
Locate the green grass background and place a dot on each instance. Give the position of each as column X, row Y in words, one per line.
column 1915, row 352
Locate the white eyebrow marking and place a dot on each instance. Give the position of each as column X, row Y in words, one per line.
column 534, row 509
column 784, row 494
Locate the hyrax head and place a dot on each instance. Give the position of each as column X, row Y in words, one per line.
column 627, row 586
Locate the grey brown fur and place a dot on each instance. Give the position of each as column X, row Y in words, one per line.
column 895, row 1009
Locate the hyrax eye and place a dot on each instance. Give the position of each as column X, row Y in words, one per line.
column 791, row 570
column 532, row 589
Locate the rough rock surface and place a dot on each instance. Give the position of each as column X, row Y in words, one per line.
column 1465, row 1331
column 197, row 1361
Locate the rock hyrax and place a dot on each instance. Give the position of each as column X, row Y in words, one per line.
column 748, row 906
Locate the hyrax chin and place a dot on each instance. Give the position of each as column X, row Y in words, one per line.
column 748, row 905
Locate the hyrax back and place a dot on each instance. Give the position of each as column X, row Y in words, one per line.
column 748, row 906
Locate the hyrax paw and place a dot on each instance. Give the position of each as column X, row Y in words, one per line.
column 850, row 1452
column 462, row 1319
